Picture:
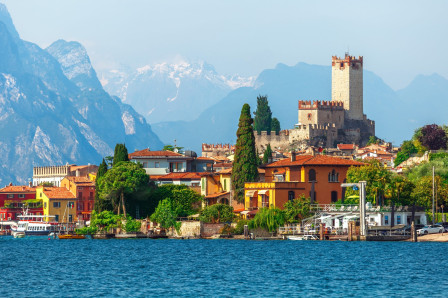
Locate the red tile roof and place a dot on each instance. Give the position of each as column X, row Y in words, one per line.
column 58, row 193
column 17, row 188
column 217, row 195
column 346, row 146
column 180, row 176
column 148, row 153
column 318, row 160
column 206, row 158
column 81, row 180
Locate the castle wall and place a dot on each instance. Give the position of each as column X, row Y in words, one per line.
column 277, row 141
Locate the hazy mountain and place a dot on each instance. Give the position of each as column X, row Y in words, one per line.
column 177, row 91
column 53, row 109
column 396, row 114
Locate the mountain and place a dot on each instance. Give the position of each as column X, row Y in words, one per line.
column 176, row 91
column 53, row 110
column 396, row 113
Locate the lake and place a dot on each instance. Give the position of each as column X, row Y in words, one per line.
column 144, row 267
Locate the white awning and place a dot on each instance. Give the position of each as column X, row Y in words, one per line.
column 263, row 192
column 250, row 193
column 244, row 212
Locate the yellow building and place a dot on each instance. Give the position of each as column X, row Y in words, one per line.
column 58, row 202
column 215, row 187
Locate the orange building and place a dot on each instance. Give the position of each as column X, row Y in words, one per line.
column 318, row 177
column 84, row 190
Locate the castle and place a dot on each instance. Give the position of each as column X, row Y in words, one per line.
column 328, row 123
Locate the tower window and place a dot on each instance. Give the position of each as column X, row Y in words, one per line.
column 342, row 64
column 309, row 116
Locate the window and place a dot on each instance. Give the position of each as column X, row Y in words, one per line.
column 333, row 176
column 309, row 116
column 79, row 195
column 334, row 196
column 386, row 219
column 156, row 164
column 398, row 219
column 56, row 204
column 145, row 164
column 311, row 175
column 225, row 184
column 80, row 207
column 10, row 196
column 70, row 218
column 264, row 201
column 291, row 195
column 56, row 217
column 79, row 188
column 91, row 195
column 71, row 205
column 21, row 196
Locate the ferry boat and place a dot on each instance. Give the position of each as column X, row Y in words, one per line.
column 34, row 225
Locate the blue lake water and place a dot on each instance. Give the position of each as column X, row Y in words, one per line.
column 33, row 267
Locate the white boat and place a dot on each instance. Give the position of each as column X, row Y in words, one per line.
column 29, row 224
column 304, row 237
column 18, row 234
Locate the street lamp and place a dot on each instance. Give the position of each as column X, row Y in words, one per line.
column 362, row 203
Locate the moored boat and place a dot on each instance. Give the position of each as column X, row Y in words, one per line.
column 304, row 237
column 34, row 225
column 71, row 236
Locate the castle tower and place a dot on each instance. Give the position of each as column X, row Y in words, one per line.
column 346, row 85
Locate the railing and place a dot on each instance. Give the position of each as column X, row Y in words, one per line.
column 355, row 208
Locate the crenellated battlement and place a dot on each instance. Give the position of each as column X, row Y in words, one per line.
column 315, row 126
column 272, row 133
column 212, row 147
column 320, row 105
column 346, row 61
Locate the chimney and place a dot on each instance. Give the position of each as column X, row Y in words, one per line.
column 77, row 173
column 30, row 184
column 293, row 156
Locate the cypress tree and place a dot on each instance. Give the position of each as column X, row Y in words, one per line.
column 244, row 167
column 263, row 115
column 276, row 125
column 120, row 153
column 98, row 204
column 267, row 154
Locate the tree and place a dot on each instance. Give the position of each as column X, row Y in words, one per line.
column 120, row 154
column 104, row 221
column 275, row 125
column 373, row 140
column 165, row 216
column 297, row 209
column 376, row 176
column 172, row 148
column 269, row 219
column 182, row 198
column 244, row 167
column 422, row 192
column 123, row 179
column 407, row 149
column 267, row 154
column 263, row 115
column 217, row 213
column 132, row 225
column 100, row 204
column 433, row 137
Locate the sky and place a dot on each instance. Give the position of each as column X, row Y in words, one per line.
column 398, row 39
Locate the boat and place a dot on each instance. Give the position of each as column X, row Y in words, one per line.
column 304, row 237
column 71, row 236
column 18, row 234
column 34, row 225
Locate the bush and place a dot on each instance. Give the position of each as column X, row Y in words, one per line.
column 132, row 225
column 269, row 219
column 217, row 213
column 239, row 229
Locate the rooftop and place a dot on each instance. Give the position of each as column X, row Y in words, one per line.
column 318, row 160
column 146, row 153
column 58, row 193
column 17, row 188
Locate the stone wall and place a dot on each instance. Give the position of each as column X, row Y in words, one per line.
column 277, row 141
column 209, row 229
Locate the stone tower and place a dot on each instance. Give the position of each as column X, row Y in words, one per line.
column 346, row 85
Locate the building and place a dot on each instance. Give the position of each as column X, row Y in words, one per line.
column 58, row 202
column 214, row 150
column 327, row 123
column 160, row 162
column 190, row 179
column 13, row 199
column 318, row 177
column 55, row 174
column 84, row 191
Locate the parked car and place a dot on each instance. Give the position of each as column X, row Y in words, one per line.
column 431, row 229
column 406, row 230
column 443, row 224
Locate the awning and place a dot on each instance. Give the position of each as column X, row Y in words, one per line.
column 250, row 193
column 263, row 192
column 245, row 212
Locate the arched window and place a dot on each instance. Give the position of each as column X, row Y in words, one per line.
column 312, row 175
column 291, row 195
column 333, row 176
